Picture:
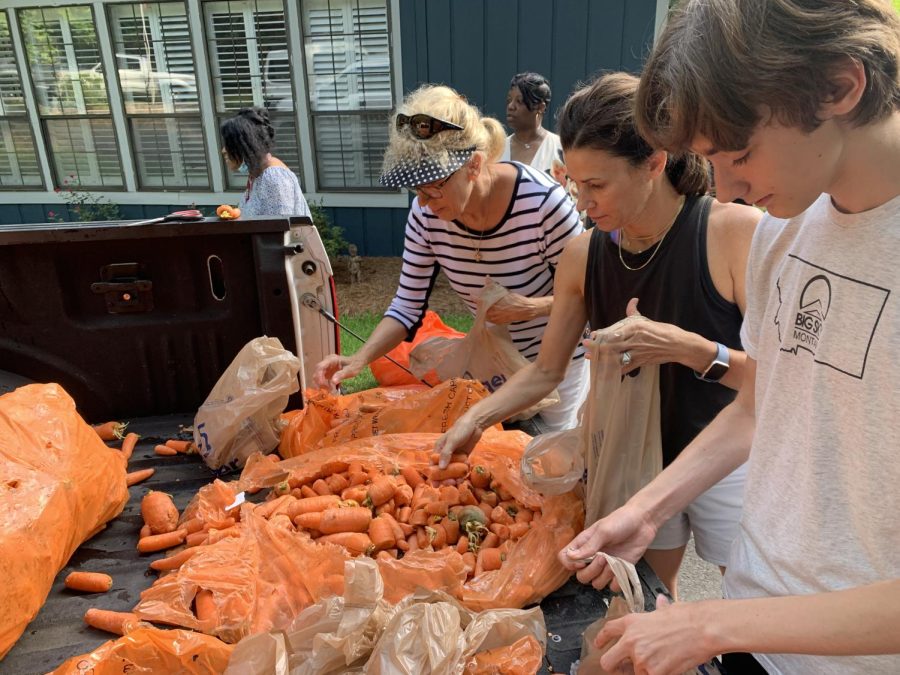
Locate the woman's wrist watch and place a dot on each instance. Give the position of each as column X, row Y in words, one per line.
column 716, row 370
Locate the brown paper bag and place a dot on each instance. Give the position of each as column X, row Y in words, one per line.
column 620, row 426
column 486, row 354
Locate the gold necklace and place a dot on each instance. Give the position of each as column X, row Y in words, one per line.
column 658, row 244
column 477, row 245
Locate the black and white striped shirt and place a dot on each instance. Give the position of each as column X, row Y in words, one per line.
column 521, row 254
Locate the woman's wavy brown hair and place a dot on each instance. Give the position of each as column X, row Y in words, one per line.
column 600, row 116
column 719, row 66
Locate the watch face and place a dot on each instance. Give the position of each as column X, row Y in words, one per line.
column 716, row 371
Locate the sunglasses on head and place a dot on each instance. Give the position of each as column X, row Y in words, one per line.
column 423, row 126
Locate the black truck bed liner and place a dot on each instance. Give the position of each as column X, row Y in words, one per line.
column 58, row 632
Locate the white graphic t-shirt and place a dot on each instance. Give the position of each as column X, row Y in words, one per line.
column 822, row 498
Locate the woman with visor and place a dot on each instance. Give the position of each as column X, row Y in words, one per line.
column 473, row 217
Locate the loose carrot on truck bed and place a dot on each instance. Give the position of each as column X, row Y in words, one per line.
column 110, row 431
column 165, row 451
column 128, row 445
column 136, row 477
column 159, row 512
column 90, row 582
column 179, row 445
column 110, row 621
column 173, row 562
column 380, row 491
column 158, row 542
column 381, row 532
column 350, row 519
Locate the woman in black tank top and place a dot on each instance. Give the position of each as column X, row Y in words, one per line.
column 660, row 241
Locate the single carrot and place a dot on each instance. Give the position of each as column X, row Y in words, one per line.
column 412, row 541
column 128, row 444
column 438, row 536
column 136, row 477
column 158, row 542
column 403, row 514
column 334, row 466
column 491, row 558
column 266, row 509
column 193, row 525
column 380, row 491
column 90, row 582
column 359, row 478
column 217, row 535
column 358, row 543
column 312, row 504
column 487, row 509
column 418, row 517
column 455, row 470
column 469, row 560
column 518, row 530
column 480, row 476
column 173, row 562
column 487, row 496
column 165, row 451
column 337, row 483
column 462, row 544
column 357, row 493
column 159, row 512
column 310, row 521
column 501, row 515
column 451, row 524
column 282, row 521
column 207, row 612
column 308, row 492
column 450, row 494
column 145, row 531
column 466, row 496
column 423, row 538
column 403, row 495
column 381, row 532
column 110, row 621
column 179, row 445
column 355, row 467
column 524, row 516
column 320, row 487
column 403, row 545
column 412, row 476
column 490, row 540
column 388, row 507
column 436, row 508
column 501, row 530
column 196, row 538
column 110, row 431
column 350, row 519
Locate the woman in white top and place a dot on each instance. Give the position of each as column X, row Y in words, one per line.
column 526, row 104
column 272, row 188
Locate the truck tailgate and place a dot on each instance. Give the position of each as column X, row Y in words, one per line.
column 58, row 632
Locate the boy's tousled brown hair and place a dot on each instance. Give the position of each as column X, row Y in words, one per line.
column 600, row 116
column 720, row 65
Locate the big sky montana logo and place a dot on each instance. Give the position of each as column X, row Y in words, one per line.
column 828, row 315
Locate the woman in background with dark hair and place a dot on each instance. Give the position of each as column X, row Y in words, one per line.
column 658, row 238
column 526, row 105
column 272, row 188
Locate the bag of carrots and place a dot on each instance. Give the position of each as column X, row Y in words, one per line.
column 59, row 487
column 388, row 374
column 421, row 410
column 151, row 650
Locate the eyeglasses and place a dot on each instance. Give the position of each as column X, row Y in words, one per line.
column 432, row 190
column 423, row 126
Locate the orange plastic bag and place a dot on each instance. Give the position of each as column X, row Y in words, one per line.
column 324, row 410
column 151, row 651
column 388, row 374
column 421, row 411
column 523, row 657
column 60, row 485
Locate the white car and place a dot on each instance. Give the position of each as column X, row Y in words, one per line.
column 139, row 81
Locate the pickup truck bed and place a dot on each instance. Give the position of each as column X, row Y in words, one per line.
column 58, row 631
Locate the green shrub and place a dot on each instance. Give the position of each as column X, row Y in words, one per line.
column 86, row 206
column 332, row 235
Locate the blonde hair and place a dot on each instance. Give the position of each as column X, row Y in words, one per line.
column 485, row 134
column 719, row 63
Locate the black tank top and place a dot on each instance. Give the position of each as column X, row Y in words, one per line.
column 675, row 287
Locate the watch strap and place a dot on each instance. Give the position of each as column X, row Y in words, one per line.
column 716, row 370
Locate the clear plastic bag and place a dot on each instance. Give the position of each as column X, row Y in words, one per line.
column 241, row 415
column 553, row 463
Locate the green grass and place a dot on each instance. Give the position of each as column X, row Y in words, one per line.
column 363, row 325
column 897, row 5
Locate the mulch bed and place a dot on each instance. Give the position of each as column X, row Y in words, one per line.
column 379, row 283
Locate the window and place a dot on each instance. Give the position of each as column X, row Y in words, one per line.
column 64, row 58
column 250, row 63
column 348, row 69
column 156, row 76
column 18, row 159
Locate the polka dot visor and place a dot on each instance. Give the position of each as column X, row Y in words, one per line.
column 428, row 170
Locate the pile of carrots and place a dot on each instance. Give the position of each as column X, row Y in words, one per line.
column 371, row 512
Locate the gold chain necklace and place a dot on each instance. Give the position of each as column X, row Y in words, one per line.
column 477, row 245
column 658, row 244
